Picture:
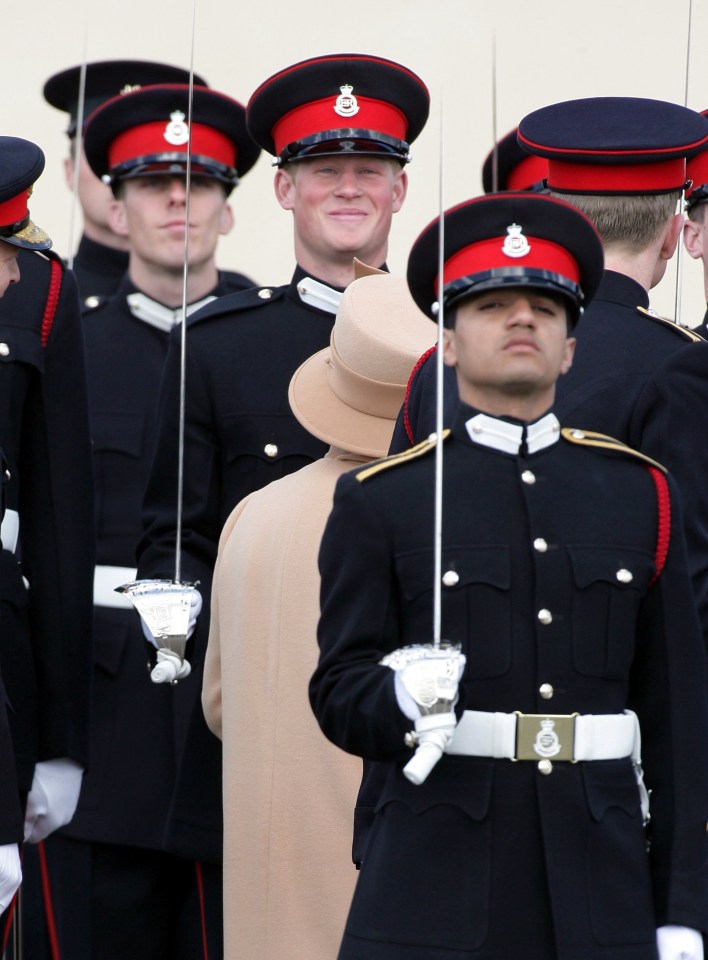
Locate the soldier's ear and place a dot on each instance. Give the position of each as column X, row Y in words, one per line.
column 116, row 217
column 448, row 344
column 284, row 185
column 693, row 239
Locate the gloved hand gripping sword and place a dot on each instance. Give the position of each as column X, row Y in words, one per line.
column 428, row 675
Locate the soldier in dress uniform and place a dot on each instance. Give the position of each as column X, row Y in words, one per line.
column 21, row 163
column 694, row 228
column 101, row 259
column 564, row 583
column 116, row 892
column 622, row 161
column 47, row 556
column 340, row 128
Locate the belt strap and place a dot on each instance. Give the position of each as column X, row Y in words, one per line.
column 593, row 736
column 105, row 581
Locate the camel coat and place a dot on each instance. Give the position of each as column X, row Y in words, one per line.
column 289, row 794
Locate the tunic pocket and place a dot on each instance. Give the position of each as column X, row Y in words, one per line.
column 618, row 880
column 610, row 583
column 435, row 837
column 475, row 608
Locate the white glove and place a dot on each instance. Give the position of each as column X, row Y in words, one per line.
column 679, row 943
column 426, row 685
column 169, row 667
column 51, row 803
column 195, row 608
column 10, row 874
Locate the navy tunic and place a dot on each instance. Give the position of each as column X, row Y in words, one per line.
column 491, row 858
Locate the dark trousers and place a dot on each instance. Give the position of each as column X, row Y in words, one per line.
column 118, row 903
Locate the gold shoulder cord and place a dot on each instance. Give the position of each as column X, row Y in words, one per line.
column 419, row 450
column 588, row 438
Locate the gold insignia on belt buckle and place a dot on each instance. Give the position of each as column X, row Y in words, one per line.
column 545, row 736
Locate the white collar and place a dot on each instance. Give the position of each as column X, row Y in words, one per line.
column 319, row 295
column 157, row 314
column 508, row 437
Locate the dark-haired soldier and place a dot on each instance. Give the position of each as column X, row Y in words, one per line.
column 340, row 128
column 622, row 161
column 564, row 583
column 117, row 893
column 101, row 258
column 507, row 166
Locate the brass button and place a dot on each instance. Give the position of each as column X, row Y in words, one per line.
column 540, row 545
column 270, row 450
column 4, row 350
column 265, row 293
column 450, row 578
column 528, row 477
column 545, row 616
column 545, row 767
column 92, row 301
column 546, row 691
column 625, row 576
column 578, row 434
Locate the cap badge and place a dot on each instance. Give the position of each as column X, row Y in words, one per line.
column 176, row 131
column 129, row 88
column 346, row 104
column 515, row 244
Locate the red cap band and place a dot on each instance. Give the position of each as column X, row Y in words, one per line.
column 320, row 115
column 529, row 171
column 489, row 255
column 665, row 176
column 15, row 209
column 149, row 140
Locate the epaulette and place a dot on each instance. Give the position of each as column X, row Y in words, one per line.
column 588, row 438
column 676, row 327
column 237, row 302
column 419, row 450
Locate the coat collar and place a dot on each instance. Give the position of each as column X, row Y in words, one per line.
column 512, row 436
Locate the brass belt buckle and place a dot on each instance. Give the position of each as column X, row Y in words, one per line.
column 545, row 736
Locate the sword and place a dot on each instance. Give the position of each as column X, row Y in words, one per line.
column 77, row 147
column 430, row 672
column 679, row 254
column 164, row 605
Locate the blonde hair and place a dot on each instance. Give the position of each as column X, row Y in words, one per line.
column 634, row 221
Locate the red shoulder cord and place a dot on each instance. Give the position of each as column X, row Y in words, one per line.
column 663, row 503
column 50, row 307
column 406, row 419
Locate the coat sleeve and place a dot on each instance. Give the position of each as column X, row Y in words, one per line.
column 668, row 425
column 351, row 694
column 58, row 536
column 668, row 692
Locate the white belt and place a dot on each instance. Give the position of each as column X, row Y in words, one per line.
column 518, row 736
column 10, row 530
column 105, row 581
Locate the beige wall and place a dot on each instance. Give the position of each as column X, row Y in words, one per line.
column 546, row 51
